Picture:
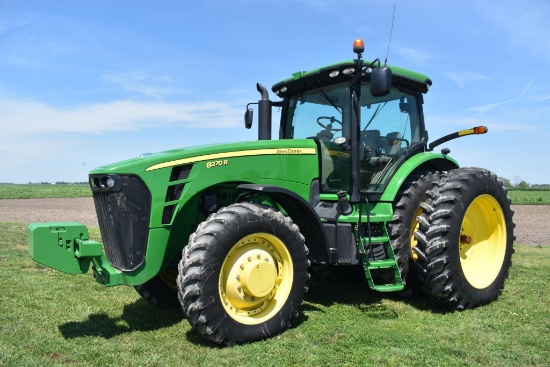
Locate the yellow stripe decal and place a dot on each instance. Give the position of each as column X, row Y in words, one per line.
column 240, row 153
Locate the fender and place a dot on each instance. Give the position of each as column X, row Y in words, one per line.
column 440, row 162
column 303, row 214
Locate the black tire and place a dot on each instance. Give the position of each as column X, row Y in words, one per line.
column 465, row 239
column 161, row 291
column 226, row 257
column 404, row 224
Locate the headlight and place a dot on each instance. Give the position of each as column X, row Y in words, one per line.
column 105, row 182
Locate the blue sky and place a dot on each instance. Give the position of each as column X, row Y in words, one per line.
column 86, row 83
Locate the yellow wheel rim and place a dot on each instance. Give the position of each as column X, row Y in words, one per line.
column 256, row 278
column 482, row 241
column 169, row 277
column 415, row 226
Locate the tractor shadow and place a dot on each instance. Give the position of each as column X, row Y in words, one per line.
column 137, row 316
column 348, row 285
column 327, row 287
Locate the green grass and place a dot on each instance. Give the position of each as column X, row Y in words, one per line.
column 530, row 197
column 51, row 319
column 11, row 191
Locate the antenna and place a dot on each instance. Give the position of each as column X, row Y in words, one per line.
column 391, row 32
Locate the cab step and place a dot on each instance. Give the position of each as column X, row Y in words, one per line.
column 370, row 265
column 374, row 265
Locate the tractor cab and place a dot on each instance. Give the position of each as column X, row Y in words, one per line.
column 366, row 119
column 389, row 127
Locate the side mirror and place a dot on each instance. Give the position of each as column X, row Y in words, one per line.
column 380, row 81
column 248, row 115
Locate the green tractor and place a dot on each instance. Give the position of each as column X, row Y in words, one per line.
column 230, row 232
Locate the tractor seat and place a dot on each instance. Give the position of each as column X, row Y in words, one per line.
column 371, row 139
column 393, row 144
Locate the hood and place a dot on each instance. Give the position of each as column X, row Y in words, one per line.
column 154, row 161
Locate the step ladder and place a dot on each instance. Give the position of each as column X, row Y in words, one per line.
column 369, row 265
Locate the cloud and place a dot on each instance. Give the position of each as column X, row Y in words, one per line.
column 415, row 55
column 443, row 124
column 524, row 23
column 13, row 22
column 37, row 139
column 489, row 107
column 149, row 85
column 20, row 118
column 465, row 77
column 540, row 98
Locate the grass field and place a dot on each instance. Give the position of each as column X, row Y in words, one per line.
column 52, row 319
column 530, row 197
column 9, row 191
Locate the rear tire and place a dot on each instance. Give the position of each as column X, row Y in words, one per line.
column 404, row 224
column 465, row 239
column 243, row 274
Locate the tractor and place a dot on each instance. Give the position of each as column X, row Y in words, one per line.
column 231, row 232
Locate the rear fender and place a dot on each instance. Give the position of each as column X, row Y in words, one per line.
column 432, row 161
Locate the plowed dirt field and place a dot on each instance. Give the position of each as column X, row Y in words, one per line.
column 532, row 221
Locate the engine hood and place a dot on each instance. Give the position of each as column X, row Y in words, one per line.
column 154, row 161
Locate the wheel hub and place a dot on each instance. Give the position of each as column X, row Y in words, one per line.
column 258, row 278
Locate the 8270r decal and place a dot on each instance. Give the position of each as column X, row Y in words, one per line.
column 217, row 163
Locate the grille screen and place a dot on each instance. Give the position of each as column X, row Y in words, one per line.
column 123, row 218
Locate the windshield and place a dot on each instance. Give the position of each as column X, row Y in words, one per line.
column 388, row 126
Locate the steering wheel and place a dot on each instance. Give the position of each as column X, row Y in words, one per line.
column 329, row 125
column 327, row 134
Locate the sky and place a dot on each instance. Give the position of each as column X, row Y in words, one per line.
column 87, row 83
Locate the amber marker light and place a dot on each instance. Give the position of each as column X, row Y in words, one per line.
column 480, row 130
column 358, row 46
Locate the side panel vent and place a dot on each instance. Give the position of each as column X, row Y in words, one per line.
column 174, row 192
column 180, row 172
column 168, row 213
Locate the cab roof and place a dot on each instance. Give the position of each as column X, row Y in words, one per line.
column 306, row 80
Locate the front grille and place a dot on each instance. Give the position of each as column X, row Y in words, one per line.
column 123, row 218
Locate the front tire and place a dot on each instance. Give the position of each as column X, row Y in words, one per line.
column 465, row 238
column 243, row 274
column 161, row 291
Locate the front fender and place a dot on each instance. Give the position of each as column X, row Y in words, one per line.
column 302, row 214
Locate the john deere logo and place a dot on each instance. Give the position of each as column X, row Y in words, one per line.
column 289, row 151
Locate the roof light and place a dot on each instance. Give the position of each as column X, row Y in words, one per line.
column 358, row 46
column 348, row 71
column 334, row 73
